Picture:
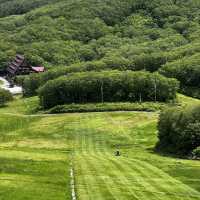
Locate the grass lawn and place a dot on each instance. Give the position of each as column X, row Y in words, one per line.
column 36, row 153
column 34, row 158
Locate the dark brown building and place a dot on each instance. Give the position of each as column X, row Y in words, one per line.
column 20, row 66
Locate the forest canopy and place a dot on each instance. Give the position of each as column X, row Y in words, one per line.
column 134, row 35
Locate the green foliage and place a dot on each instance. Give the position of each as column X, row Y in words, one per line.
column 105, row 107
column 123, row 35
column 186, row 70
column 34, row 81
column 196, row 153
column 179, row 130
column 16, row 7
column 107, row 86
column 5, row 96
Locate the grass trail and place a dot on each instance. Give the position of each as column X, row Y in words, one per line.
column 101, row 175
column 33, row 159
column 36, row 152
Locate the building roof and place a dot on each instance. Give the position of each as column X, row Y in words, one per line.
column 20, row 66
column 38, row 69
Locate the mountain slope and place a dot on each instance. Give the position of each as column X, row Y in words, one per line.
column 123, row 34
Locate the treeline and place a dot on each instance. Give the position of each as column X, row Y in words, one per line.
column 107, row 86
column 100, row 28
column 179, row 131
column 128, row 58
column 112, row 34
column 16, row 7
column 187, row 71
column 32, row 82
column 148, row 61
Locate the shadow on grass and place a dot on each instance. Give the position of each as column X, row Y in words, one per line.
column 154, row 150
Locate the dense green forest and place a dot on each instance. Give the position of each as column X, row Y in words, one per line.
column 155, row 35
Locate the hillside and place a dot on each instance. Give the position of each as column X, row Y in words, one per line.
column 115, row 115
column 133, row 34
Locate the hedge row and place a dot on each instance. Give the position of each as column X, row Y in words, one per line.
column 106, row 107
column 179, row 130
column 107, row 86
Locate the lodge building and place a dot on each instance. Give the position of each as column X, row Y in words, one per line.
column 20, row 66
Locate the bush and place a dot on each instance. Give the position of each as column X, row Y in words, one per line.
column 5, row 96
column 179, row 130
column 196, row 153
column 107, row 86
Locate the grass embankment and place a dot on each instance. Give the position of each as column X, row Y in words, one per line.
column 36, row 152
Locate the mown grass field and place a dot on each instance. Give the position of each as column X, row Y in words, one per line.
column 36, row 153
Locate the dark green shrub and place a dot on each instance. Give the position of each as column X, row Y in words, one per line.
column 107, row 86
column 179, row 130
column 5, row 96
column 196, row 153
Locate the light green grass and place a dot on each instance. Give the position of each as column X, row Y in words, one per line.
column 139, row 173
column 21, row 106
column 36, row 154
column 185, row 100
column 34, row 159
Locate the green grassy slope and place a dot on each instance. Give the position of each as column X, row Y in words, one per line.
column 34, row 158
column 138, row 173
column 36, row 154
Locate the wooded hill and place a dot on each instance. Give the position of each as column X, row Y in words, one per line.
column 82, row 35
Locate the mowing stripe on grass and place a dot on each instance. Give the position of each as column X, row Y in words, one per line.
column 92, row 149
